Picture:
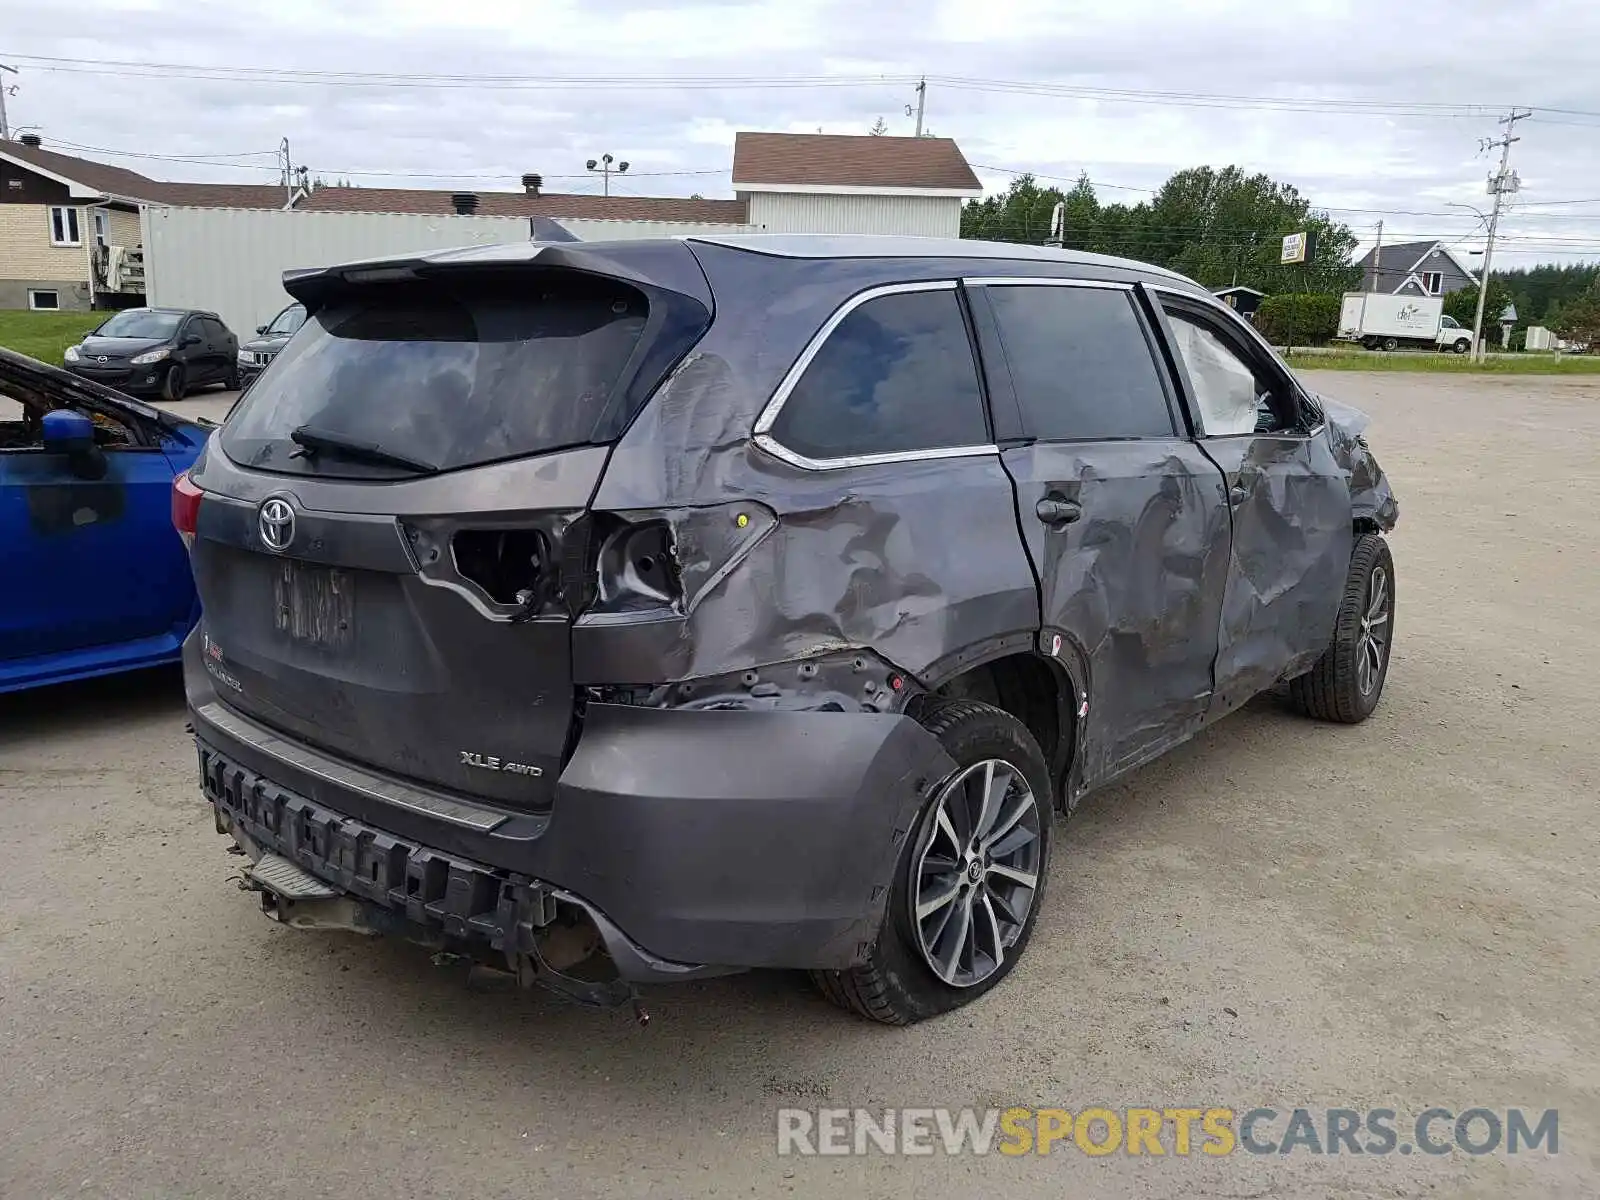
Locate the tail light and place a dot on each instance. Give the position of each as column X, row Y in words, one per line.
column 186, row 497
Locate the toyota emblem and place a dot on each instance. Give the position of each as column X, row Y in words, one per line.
column 276, row 523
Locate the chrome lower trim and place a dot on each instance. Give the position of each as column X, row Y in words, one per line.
column 367, row 783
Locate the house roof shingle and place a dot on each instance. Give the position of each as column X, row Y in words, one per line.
column 130, row 185
column 521, row 204
column 818, row 160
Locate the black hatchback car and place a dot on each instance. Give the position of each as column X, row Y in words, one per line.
column 166, row 352
column 651, row 610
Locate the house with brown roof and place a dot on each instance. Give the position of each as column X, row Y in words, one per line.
column 70, row 233
column 835, row 183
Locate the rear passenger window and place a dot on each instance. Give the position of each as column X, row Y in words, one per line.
column 896, row 375
column 1080, row 363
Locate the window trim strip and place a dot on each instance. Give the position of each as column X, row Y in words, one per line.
column 1044, row 281
column 762, row 432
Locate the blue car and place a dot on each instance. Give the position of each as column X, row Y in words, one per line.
column 95, row 578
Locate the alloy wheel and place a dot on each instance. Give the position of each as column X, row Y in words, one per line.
column 1373, row 646
column 978, row 872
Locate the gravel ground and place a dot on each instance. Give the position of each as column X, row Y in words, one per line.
column 1280, row 913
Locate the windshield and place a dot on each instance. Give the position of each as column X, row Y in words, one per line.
column 141, row 323
column 289, row 320
column 451, row 373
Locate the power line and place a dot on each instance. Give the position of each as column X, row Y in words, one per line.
column 189, row 157
column 1332, row 208
column 634, row 82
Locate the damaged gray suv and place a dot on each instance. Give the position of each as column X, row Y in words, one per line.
column 630, row 612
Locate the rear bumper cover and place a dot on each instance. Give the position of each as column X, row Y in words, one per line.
column 694, row 838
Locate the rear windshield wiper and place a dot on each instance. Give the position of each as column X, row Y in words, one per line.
column 312, row 441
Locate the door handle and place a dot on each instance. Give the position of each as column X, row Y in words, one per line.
column 1238, row 494
column 1052, row 510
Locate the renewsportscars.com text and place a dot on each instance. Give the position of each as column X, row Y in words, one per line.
column 1215, row 1131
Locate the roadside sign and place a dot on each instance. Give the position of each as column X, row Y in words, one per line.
column 1296, row 248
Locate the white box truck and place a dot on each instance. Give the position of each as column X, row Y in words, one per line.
column 1383, row 322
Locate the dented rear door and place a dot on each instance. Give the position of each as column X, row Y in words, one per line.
column 1122, row 514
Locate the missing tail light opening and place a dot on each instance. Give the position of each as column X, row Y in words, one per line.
column 512, row 566
column 637, row 567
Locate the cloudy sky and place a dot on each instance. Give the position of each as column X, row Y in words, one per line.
column 1368, row 108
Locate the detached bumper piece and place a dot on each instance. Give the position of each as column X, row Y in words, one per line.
column 309, row 862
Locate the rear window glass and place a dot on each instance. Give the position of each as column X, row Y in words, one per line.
column 445, row 373
column 896, row 375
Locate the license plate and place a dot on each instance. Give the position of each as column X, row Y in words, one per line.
column 314, row 604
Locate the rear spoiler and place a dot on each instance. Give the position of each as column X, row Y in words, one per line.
column 651, row 264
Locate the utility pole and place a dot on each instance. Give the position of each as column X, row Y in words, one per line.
column 5, row 130
column 922, row 100
column 1377, row 258
column 287, row 172
column 1500, row 184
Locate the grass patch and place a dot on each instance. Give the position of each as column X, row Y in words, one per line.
column 1447, row 364
column 44, row 335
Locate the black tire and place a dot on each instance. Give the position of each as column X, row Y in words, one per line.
column 1369, row 343
column 1333, row 689
column 231, row 379
column 1462, row 345
column 896, row 985
column 1391, row 343
column 173, row 386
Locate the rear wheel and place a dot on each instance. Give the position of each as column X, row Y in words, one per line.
column 172, row 383
column 1348, row 679
column 967, row 890
column 231, row 379
column 1391, row 343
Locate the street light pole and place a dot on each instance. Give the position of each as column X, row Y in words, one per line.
column 1500, row 183
column 605, row 170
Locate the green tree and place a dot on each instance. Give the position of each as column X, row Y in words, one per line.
column 879, row 128
column 1219, row 226
column 1578, row 320
column 1463, row 306
column 1538, row 291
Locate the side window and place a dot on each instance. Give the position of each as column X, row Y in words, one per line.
column 897, row 374
column 1232, row 397
column 1080, row 363
column 215, row 333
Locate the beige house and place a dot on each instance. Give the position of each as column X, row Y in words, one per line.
column 69, row 227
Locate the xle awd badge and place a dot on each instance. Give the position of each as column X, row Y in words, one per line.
column 488, row 762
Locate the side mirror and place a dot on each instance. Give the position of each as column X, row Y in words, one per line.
column 261, row 328
column 194, row 339
column 72, row 434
